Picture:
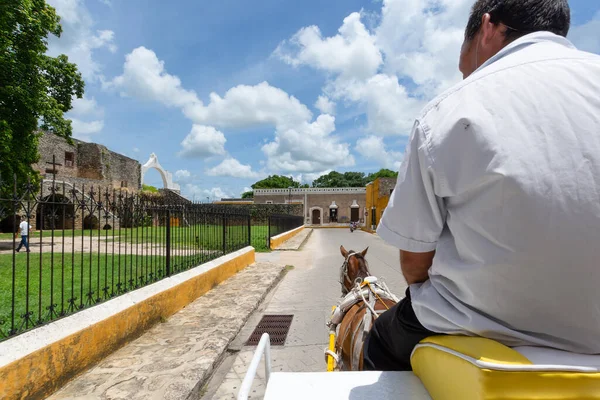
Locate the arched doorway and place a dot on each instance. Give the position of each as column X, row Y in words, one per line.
column 91, row 222
column 354, row 212
column 316, row 216
column 55, row 212
column 333, row 212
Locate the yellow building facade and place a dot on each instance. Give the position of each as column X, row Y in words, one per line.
column 378, row 196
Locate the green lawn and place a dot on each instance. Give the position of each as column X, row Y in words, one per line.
column 204, row 236
column 76, row 280
column 86, row 278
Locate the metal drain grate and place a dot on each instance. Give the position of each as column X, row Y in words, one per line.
column 277, row 326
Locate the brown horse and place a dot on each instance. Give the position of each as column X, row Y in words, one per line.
column 353, row 328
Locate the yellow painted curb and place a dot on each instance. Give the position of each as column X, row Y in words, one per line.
column 44, row 371
column 278, row 240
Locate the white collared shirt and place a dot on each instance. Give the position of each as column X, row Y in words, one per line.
column 24, row 227
column 502, row 179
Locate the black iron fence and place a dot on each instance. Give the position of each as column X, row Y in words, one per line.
column 67, row 248
column 280, row 223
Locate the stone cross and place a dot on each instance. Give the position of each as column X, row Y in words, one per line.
column 54, row 165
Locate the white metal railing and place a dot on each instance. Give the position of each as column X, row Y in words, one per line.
column 264, row 347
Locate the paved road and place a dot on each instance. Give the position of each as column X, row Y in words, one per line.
column 307, row 292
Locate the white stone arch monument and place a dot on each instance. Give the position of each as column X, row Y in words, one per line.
column 166, row 176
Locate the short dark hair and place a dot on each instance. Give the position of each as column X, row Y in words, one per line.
column 521, row 17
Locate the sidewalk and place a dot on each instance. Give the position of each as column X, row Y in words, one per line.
column 297, row 241
column 175, row 358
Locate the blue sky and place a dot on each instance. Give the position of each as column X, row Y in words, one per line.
column 228, row 92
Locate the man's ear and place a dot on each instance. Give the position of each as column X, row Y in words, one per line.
column 364, row 252
column 491, row 34
column 344, row 251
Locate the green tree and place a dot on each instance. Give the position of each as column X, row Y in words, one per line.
column 336, row 179
column 277, row 182
column 36, row 90
column 149, row 188
column 382, row 173
column 248, row 195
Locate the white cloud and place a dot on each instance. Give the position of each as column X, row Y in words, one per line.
column 182, row 175
column 233, row 168
column 586, row 37
column 325, row 105
column 196, row 192
column 86, row 107
column 87, row 118
column 297, row 143
column 84, row 130
column 136, row 150
column 145, row 77
column 373, row 148
column 389, row 106
column 308, row 147
column 352, row 53
column 310, row 177
column 203, row 141
column 79, row 41
column 217, row 193
column 421, row 40
column 246, row 106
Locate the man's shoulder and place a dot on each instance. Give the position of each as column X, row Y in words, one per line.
column 511, row 71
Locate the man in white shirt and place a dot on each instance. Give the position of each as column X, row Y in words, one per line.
column 24, row 228
column 496, row 210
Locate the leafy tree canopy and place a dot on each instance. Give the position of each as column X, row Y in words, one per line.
column 36, row 90
column 382, row 173
column 149, row 188
column 330, row 180
column 277, row 182
column 350, row 179
column 336, row 179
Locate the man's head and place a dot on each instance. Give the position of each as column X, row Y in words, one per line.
column 495, row 23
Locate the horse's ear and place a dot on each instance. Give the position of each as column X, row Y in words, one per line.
column 364, row 252
column 344, row 251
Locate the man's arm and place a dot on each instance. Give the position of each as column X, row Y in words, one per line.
column 415, row 266
column 415, row 215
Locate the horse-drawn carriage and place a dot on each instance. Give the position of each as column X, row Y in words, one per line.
column 444, row 367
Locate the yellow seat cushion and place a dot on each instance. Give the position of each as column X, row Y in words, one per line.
column 471, row 368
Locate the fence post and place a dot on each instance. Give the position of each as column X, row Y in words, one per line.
column 249, row 230
column 269, row 234
column 168, row 238
column 224, row 234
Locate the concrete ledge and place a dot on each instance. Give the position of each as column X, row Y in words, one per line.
column 331, row 227
column 296, row 242
column 278, row 240
column 37, row 363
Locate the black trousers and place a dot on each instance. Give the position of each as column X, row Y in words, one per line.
column 393, row 337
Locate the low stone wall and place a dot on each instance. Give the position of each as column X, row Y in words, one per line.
column 278, row 240
column 38, row 362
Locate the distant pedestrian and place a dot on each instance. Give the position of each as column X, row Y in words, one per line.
column 24, row 227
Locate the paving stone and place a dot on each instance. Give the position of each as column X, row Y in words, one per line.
column 174, row 358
